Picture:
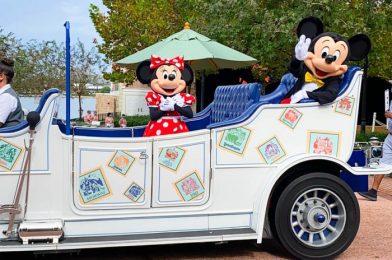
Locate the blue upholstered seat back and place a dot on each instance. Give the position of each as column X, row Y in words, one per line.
column 347, row 78
column 286, row 83
column 231, row 101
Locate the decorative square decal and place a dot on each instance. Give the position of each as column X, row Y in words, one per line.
column 92, row 186
column 9, row 154
column 291, row 117
column 345, row 106
column 271, row 150
column 323, row 143
column 134, row 192
column 235, row 139
column 121, row 162
column 171, row 157
column 190, row 187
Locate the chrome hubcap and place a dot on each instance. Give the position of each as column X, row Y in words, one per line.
column 318, row 217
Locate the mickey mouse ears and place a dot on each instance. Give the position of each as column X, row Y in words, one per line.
column 310, row 27
column 360, row 46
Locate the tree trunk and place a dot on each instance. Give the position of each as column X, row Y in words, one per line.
column 80, row 106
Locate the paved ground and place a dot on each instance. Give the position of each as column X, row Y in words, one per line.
column 373, row 241
column 374, row 238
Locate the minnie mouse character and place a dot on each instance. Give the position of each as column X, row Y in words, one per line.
column 319, row 61
column 167, row 78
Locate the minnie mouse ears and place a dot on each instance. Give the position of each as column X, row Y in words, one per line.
column 145, row 74
column 310, row 27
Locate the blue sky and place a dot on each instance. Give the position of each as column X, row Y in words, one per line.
column 44, row 19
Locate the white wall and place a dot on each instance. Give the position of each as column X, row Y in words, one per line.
column 132, row 101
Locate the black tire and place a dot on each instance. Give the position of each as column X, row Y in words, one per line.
column 317, row 216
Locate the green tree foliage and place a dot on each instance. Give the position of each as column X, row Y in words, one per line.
column 104, row 90
column 130, row 26
column 264, row 29
column 86, row 67
column 41, row 65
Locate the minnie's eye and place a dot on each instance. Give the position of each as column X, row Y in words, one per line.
column 336, row 55
column 324, row 52
column 174, row 73
column 165, row 74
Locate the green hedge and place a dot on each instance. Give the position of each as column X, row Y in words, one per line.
column 365, row 137
column 133, row 120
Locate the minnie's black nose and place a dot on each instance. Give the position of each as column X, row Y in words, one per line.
column 172, row 77
column 329, row 59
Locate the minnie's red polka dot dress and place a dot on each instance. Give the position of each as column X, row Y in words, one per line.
column 171, row 122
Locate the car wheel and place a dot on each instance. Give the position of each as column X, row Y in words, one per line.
column 317, row 216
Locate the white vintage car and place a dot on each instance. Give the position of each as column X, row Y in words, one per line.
column 249, row 168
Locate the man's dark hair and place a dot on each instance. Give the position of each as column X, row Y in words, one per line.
column 7, row 68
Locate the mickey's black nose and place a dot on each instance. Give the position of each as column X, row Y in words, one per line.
column 172, row 77
column 329, row 59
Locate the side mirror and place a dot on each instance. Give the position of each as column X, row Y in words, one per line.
column 33, row 119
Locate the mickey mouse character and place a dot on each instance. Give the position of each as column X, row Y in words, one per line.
column 167, row 78
column 319, row 61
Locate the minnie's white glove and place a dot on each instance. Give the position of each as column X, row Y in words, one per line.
column 302, row 47
column 179, row 100
column 167, row 104
column 298, row 96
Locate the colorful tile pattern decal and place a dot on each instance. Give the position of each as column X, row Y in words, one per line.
column 190, row 187
column 93, row 186
column 171, row 157
column 235, row 139
column 9, row 154
column 121, row 162
column 323, row 143
column 291, row 117
column 134, row 192
column 345, row 106
column 271, row 150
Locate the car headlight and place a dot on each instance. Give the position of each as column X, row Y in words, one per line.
column 376, row 152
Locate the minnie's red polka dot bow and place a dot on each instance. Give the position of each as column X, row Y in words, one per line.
column 158, row 61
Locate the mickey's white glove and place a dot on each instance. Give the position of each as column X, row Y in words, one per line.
column 167, row 104
column 179, row 100
column 298, row 96
column 302, row 47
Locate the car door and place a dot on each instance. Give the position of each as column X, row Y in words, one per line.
column 181, row 169
column 112, row 173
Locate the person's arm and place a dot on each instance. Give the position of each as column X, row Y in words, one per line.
column 326, row 94
column 184, row 111
column 296, row 67
column 388, row 114
column 155, row 114
column 6, row 106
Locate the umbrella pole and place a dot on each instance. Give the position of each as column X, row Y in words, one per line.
column 202, row 89
column 363, row 96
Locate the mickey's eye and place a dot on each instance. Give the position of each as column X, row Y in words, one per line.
column 165, row 74
column 324, row 52
column 336, row 55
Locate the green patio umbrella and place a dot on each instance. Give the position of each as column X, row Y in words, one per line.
column 199, row 51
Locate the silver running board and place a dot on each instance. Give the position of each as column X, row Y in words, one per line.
column 70, row 243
